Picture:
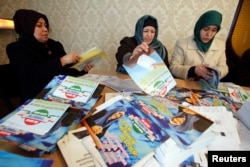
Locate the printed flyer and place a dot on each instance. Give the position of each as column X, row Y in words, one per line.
column 150, row 73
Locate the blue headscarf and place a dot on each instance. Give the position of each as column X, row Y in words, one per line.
column 156, row 44
column 211, row 17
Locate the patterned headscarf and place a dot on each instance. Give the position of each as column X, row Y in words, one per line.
column 156, row 44
column 211, row 17
column 25, row 21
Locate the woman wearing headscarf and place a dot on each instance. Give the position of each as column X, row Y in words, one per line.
column 192, row 55
column 36, row 58
column 99, row 122
column 186, row 120
column 146, row 33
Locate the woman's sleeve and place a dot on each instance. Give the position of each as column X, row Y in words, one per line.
column 125, row 50
column 26, row 67
column 177, row 67
column 222, row 62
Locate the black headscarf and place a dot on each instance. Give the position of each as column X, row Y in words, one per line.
column 25, row 21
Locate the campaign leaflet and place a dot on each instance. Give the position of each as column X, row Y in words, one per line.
column 38, row 116
column 150, row 73
column 195, row 97
column 211, row 83
column 48, row 94
column 76, row 89
column 37, row 144
column 127, row 134
column 182, row 124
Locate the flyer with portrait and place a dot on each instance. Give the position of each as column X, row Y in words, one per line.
column 150, row 73
column 126, row 133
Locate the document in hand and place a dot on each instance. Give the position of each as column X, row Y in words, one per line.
column 38, row 116
column 92, row 56
column 150, row 73
column 213, row 82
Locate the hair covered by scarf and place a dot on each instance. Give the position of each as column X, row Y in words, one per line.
column 25, row 21
column 156, row 44
column 211, row 17
column 187, row 124
column 104, row 121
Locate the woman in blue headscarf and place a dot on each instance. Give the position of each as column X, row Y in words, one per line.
column 146, row 33
column 192, row 55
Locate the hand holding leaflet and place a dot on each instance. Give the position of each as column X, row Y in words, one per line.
column 91, row 56
column 213, row 82
column 150, row 73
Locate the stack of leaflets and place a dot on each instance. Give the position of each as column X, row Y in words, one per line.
column 74, row 89
column 32, row 142
column 150, row 73
column 41, row 141
column 80, row 93
column 37, row 117
column 132, row 130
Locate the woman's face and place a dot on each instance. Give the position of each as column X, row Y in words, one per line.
column 208, row 33
column 177, row 120
column 148, row 34
column 41, row 32
column 117, row 115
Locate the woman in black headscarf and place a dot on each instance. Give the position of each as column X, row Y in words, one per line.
column 146, row 33
column 36, row 58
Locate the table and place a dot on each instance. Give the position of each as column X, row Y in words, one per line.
column 57, row 157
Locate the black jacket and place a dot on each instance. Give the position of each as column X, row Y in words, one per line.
column 36, row 64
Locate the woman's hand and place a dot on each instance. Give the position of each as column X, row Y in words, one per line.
column 70, row 58
column 88, row 67
column 202, row 71
column 143, row 47
column 96, row 129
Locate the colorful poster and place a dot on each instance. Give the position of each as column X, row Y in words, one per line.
column 126, row 134
column 182, row 124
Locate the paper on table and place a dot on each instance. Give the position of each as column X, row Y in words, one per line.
column 225, row 129
column 75, row 151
